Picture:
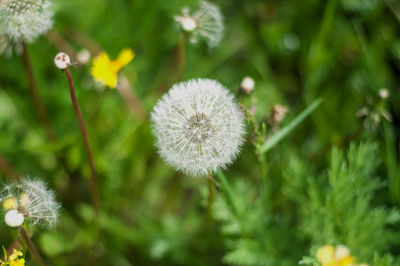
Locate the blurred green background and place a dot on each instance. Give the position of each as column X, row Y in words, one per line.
column 345, row 51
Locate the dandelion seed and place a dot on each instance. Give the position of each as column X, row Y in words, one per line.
column 25, row 20
column 105, row 71
column 30, row 200
column 198, row 127
column 206, row 23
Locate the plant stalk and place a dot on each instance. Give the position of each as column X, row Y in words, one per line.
column 7, row 169
column 82, row 126
column 31, row 246
column 181, row 57
column 37, row 100
column 211, row 196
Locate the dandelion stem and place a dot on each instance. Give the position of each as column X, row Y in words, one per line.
column 181, row 57
column 227, row 190
column 131, row 99
column 82, row 126
column 37, row 100
column 31, row 247
column 211, row 195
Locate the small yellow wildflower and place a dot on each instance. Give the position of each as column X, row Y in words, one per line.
column 105, row 71
column 10, row 204
column 339, row 256
column 13, row 259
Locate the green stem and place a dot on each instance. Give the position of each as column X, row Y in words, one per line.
column 181, row 57
column 211, row 196
column 266, row 180
column 227, row 190
column 277, row 137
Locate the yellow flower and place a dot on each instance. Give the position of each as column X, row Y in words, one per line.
column 339, row 256
column 10, row 203
column 105, row 71
column 15, row 254
column 13, row 259
column 18, row 262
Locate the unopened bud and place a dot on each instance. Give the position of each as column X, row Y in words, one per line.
column 278, row 113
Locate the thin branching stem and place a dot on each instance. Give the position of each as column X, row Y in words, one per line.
column 82, row 126
column 31, row 246
column 37, row 100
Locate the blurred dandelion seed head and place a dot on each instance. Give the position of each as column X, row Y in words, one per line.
column 205, row 23
column 62, row 60
column 247, row 85
column 383, row 94
column 25, row 20
column 198, row 127
column 32, row 199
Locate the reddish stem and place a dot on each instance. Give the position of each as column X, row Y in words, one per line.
column 37, row 100
column 31, row 246
column 82, row 126
column 6, row 168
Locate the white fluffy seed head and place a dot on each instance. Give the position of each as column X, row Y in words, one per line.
column 14, row 218
column 62, row 60
column 383, row 93
column 198, row 127
column 206, row 23
column 247, row 85
column 34, row 201
column 24, row 20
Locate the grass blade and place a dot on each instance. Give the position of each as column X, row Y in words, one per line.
column 274, row 139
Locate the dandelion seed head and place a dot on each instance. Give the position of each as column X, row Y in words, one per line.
column 198, row 127
column 247, row 85
column 383, row 94
column 24, row 20
column 206, row 23
column 14, row 218
column 33, row 200
column 62, row 60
